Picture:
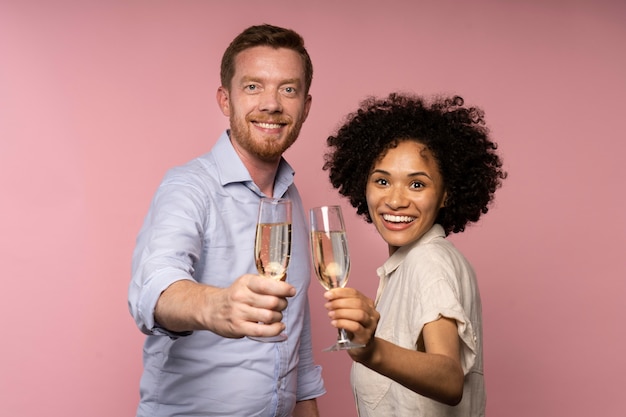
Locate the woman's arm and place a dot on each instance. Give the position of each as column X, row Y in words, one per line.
column 434, row 373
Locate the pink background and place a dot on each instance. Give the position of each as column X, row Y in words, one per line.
column 99, row 98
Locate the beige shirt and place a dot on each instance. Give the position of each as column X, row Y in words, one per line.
column 418, row 284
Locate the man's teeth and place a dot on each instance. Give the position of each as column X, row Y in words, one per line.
column 269, row 125
column 398, row 219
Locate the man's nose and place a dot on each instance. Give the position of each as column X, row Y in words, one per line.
column 270, row 102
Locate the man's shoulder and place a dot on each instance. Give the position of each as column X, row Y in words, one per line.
column 198, row 170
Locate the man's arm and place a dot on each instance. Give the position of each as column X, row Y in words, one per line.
column 306, row 408
column 251, row 306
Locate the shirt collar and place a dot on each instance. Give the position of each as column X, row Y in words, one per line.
column 231, row 170
column 395, row 260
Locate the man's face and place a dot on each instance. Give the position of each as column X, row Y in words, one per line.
column 265, row 102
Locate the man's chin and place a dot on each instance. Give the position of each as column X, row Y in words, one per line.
column 273, row 152
column 270, row 156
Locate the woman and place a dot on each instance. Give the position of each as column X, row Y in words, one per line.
column 418, row 171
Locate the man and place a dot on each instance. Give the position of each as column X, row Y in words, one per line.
column 194, row 289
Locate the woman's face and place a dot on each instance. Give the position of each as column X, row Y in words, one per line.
column 404, row 193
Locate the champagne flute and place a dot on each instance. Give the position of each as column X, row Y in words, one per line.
column 331, row 260
column 272, row 245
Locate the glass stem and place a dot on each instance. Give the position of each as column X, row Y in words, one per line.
column 342, row 336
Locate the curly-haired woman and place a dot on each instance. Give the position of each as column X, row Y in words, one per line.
column 418, row 170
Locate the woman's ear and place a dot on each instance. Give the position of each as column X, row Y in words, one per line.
column 443, row 199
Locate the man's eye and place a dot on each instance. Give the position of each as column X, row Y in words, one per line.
column 251, row 87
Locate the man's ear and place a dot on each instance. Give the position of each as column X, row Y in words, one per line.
column 223, row 100
column 307, row 106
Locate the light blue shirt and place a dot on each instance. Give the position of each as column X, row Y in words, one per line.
column 201, row 226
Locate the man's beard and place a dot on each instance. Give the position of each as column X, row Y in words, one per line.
column 266, row 150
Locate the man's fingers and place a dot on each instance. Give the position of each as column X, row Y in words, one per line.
column 261, row 285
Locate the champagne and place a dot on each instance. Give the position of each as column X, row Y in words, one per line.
column 330, row 258
column 272, row 249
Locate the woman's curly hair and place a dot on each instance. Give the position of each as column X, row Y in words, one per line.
column 455, row 135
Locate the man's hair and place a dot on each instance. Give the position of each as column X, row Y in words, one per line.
column 265, row 35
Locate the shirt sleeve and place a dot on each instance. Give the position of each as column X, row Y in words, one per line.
column 310, row 382
column 168, row 245
column 441, row 293
column 439, row 300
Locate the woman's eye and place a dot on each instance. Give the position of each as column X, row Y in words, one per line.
column 417, row 185
column 381, row 181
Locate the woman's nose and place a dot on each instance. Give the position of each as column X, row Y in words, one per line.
column 396, row 198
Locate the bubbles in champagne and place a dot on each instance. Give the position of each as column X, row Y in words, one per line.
column 273, row 249
column 274, row 270
column 330, row 258
column 334, row 269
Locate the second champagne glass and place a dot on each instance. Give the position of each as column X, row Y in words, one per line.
column 331, row 260
column 272, row 245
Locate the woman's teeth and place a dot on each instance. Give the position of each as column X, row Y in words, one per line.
column 398, row 219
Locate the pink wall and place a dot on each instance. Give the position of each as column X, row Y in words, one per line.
column 99, row 98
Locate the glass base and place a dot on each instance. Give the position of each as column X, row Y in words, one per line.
column 343, row 345
column 343, row 342
column 270, row 339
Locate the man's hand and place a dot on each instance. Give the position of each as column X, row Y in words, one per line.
column 251, row 306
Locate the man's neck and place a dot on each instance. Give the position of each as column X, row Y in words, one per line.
column 264, row 177
column 263, row 173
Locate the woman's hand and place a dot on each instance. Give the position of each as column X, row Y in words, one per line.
column 350, row 310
